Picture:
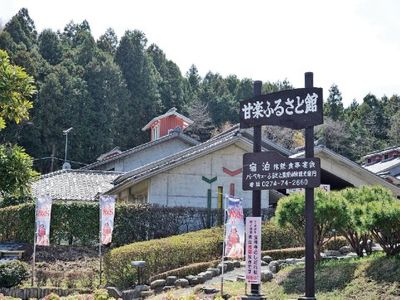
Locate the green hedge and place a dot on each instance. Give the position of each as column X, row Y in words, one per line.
column 78, row 222
column 167, row 254
column 285, row 253
column 162, row 255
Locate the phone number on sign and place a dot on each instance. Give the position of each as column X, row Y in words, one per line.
column 293, row 182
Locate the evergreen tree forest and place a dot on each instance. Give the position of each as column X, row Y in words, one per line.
column 108, row 89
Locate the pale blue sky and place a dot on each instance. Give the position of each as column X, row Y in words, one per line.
column 353, row 43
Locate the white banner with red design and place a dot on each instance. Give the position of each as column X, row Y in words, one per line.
column 42, row 220
column 234, row 234
column 107, row 213
column 253, row 250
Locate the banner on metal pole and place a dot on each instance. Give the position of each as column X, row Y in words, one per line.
column 253, row 250
column 234, row 233
column 107, row 212
column 42, row 220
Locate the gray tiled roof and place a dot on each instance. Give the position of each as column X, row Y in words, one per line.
column 77, row 185
column 142, row 147
column 227, row 137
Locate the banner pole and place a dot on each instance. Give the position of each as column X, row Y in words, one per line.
column 100, row 254
column 223, row 250
column 34, row 248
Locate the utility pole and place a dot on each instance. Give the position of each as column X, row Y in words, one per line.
column 66, row 165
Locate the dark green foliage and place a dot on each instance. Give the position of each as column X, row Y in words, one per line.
column 357, row 200
column 333, row 107
column 330, row 213
column 50, row 46
column 275, row 237
column 162, row 255
column 13, row 273
column 383, row 222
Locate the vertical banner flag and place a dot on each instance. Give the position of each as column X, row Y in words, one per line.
column 234, row 234
column 253, row 250
column 107, row 212
column 42, row 220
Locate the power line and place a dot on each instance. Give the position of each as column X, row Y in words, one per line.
column 56, row 158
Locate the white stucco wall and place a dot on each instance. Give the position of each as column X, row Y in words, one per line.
column 141, row 158
column 183, row 185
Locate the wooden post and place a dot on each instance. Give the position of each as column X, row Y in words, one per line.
column 256, row 201
column 309, row 210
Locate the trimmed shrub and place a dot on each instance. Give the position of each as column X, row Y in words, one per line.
column 162, row 255
column 191, row 269
column 383, row 221
column 352, row 227
column 275, row 237
column 13, row 273
column 285, row 253
column 330, row 212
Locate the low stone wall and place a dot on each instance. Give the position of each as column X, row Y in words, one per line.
column 39, row 293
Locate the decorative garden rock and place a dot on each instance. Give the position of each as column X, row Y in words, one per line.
column 130, row 294
column 273, row 266
column 215, row 271
column 170, row 280
column 193, row 280
column 168, row 288
column 145, row 294
column 267, row 259
column 113, row 292
column 266, row 276
column 345, row 250
column 220, row 266
column 182, row 282
column 159, row 283
column 209, row 274
column 332, row 253
column 236, row 263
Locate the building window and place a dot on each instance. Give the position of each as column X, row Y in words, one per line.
column 156, row 131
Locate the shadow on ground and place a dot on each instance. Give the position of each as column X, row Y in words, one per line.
column 384, row 269
column 329, row 277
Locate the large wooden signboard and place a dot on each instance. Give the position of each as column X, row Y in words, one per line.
column 270, row 170
column 296, row 109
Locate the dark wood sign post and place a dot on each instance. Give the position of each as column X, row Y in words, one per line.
column 296, row 109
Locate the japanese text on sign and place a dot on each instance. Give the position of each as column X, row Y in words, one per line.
column 270, row 170
column 253, row 250
column 298, row 108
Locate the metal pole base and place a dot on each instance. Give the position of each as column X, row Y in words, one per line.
column 254, row 297
column 307, row 298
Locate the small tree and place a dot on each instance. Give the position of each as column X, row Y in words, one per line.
column 16, row 174
column 383, row 221
column 330, row 211
column 352, row 227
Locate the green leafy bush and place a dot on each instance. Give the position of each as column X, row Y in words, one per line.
column 383, row 221
column 352, row 227
column 162, row 255
column 330, row 211
column 276, row 237
column 284, row 253
column 13, row 273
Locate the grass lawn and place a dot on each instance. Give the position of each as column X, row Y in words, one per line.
column 371, row 278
